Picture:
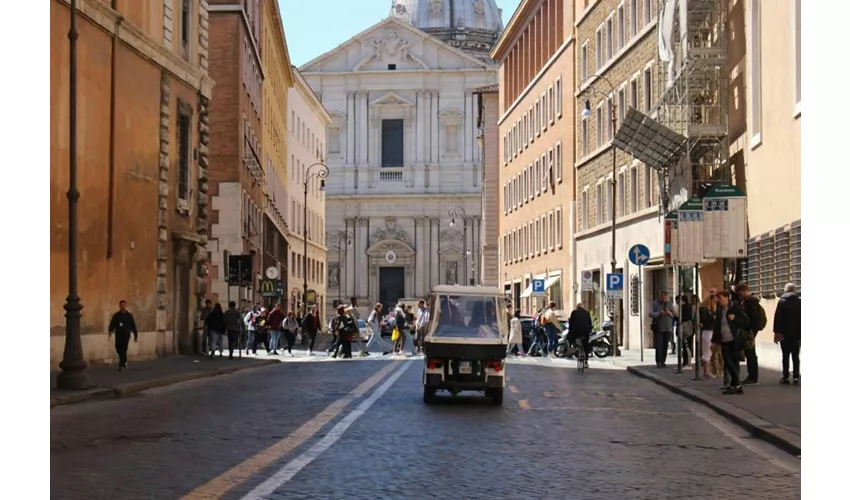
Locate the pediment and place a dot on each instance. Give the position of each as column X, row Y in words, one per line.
column 392, row 41
column 391, row 99
column 380, row 248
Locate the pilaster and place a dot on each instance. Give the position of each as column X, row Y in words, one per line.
column 162, row 213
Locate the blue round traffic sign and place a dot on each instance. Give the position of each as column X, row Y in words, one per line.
column 639, row 255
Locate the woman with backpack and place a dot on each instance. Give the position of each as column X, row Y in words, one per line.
column 290, row 329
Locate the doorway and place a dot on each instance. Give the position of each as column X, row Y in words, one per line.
column 391, row 286
column 181, row 317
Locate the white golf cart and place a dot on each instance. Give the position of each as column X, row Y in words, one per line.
column 465, row 341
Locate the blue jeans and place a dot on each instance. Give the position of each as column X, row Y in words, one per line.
column 539, row 341
column 249, row 340
column 552, row 334
column 274, row 339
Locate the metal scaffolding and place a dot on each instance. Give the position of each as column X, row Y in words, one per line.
column 694, row 101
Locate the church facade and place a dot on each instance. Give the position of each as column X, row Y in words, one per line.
column 404, row 190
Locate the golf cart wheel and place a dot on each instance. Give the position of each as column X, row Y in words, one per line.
column 430, row 395
column 497, row 395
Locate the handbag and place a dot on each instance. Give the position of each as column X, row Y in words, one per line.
column 396, row 334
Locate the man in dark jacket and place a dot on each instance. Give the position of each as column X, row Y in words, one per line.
column 663, row 312
column 581, row 326
column 208, row 307
column 122, row 325
column 787, row 326
column 310, row 327
column 748, row 341
column 730, row 319
column 233, row 324
column 273, row 324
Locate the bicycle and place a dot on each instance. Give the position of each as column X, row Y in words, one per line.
column 581, row 355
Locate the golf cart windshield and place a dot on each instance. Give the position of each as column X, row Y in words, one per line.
column 468, row 316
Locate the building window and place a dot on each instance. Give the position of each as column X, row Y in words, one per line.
column 647, row 89
column 633, row 93
column 648, row 181
column 392, row 143
column 545, row 117
column 798, row 57
column 531, row 123
column 584, row 136
column 599, row 47
column 584, row 209
column 545, row 229
column 532, row 236
column 633, row 17
column 333, row 140
column 633, row 191
column 647, row 12
column 551, row 231
column 754, row 87
column 621, row 104
column 451, row 138
column 537, row 176
column 621, row 27
column 621, row 194
column 546, row 170
column 583, row 63
column 559, row 228
column 184, row 141
column 600, row 125
column 185, row 28
column 559, row 98
column 599, row 205
column 537, row 118
column 559, row 163
column 551, row 105
column 609, row 37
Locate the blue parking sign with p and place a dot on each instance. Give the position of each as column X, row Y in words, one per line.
column 613, row 282
column 538, row 286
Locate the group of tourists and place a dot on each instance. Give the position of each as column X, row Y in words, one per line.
column 729, row 321
column 407, row 329
column 255, row 326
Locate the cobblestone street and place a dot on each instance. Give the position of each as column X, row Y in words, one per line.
column 360, row 430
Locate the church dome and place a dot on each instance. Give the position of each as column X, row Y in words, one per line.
column 470, row 25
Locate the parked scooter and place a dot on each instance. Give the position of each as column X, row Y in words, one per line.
column 600, row 343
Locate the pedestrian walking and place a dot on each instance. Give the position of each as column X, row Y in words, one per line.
column 552, row 327
column 515, row 337
column 233, row 324
column 250, row 329
column 662, row 314
column 757, row 322
column 410, row 320
column 123, row 325
column 400, row 319
column 344, row 326
column 215, row 323
column 376, row 342
column 290, row 329
column 310, row 327
column 706, row 321
column 274, row 322
column 537, row 342
column 423, row 316
column 205, row 333
column 685, row 320
column 787, row 327
column 730, row 320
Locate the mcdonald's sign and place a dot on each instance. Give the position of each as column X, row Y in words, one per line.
column 268, row 288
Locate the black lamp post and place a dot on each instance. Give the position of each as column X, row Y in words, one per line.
column 585, row 114
column 321, row 173
column 453, row 213
column 343, row 239
column 73, row 366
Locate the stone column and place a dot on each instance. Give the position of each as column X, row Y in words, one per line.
column 426, row 126
column 420, row 238
column 435, row 251
column 362, row 262
column 470, row 248
column 419, row 156
column 363, row 124
column 476, row 153
column 467, row 127
column 350, row 125
column 435, row 127
column 348, row 280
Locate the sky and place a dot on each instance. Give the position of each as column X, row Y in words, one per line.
column 314, row 27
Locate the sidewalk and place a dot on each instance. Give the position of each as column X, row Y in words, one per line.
column 769, row 410
column 106, row 382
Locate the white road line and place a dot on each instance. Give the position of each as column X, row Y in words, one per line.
column 288, row 471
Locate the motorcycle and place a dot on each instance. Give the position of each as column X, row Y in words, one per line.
column 600, row 343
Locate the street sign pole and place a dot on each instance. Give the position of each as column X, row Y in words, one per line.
column 239, row 271
column 640, row 308
column 677, row 275
column 697, row 328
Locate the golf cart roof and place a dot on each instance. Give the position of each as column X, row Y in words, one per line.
column 467, row 290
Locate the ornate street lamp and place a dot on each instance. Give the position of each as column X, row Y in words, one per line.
column 454, row 213
column 321, row 173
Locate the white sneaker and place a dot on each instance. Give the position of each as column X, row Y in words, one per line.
column 310, row 352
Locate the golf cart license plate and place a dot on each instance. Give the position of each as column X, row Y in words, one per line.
column 465, row 368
